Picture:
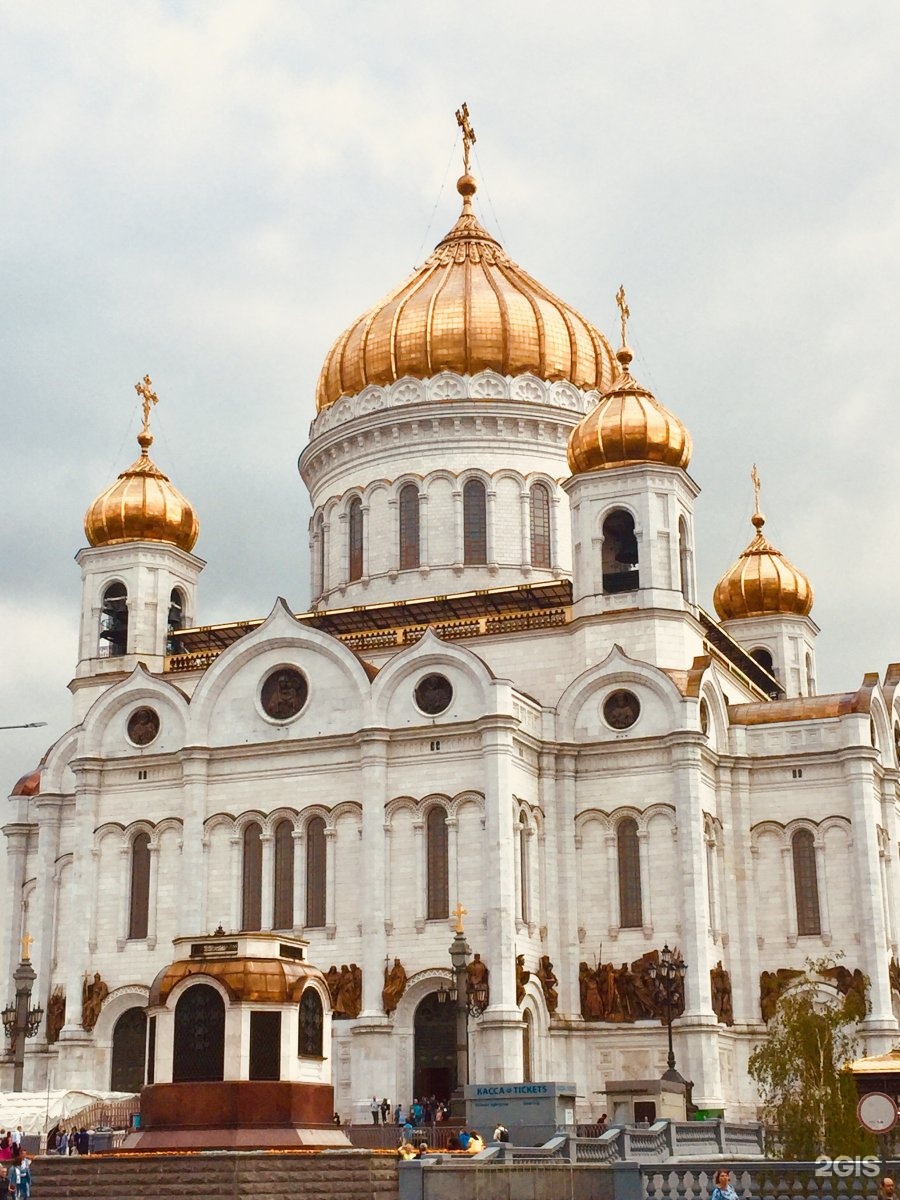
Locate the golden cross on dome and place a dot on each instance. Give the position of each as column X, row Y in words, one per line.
column 145, row 390
column 469, row 139
column 624, row 311
column 27, row 943
column 459, row 912
column 754, row 475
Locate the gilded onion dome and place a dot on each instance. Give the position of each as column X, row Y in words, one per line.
column 142, row 505
column 762, row 582
column 468, row 308
column 629, row 425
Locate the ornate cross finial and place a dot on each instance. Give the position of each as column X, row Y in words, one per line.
column 27, row 943
column 754, row 475
column 469, row 139
column 145, row 390
column 459, row 912
column 624, row 311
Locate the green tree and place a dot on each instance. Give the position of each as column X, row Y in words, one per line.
column 808, row 1101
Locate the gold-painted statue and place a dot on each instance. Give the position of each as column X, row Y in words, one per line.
column 394, row 986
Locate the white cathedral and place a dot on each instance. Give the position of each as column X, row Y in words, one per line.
column 505, row 695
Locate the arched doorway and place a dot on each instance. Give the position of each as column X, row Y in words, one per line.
column 199, row 1052
column 129, row 1048
column 434, row 1073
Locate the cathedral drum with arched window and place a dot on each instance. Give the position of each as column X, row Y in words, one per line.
column 238, row 1027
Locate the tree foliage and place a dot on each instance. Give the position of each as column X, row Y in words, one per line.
column 809, row 1103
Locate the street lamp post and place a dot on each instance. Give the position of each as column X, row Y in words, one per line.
column 669, row 973
column 468, row 1000
column 27, row 725
column 19, row 1020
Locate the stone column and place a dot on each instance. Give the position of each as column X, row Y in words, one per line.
column 643, row 839
column 424, row 562
column 419, row 910
column 330, row 882
column 77, row 955
column 491, row 522
column 373, row 761
column 499, row 1036
column 124, row 916
column 458, row 528
column 525, row 506
column 697, row 1052
column 16, row 845
column 194, row 865
column 742, row 900
column 554, row 531
column 267, row 908
column 49, row 810
column 237, row 889
column 612, row 869
column 822, row 887
column 565, row 884
column 879, row 1029
column 299, row 837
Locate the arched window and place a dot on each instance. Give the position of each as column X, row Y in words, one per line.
column 175, row 622
column 319, row 556
column 620, row 553
column 251, row 906
column 315, row 873
column 684, row 561
column 630, row 909
column 355, row 523
column 114, row 622
column 129, row 1050
column 810, row 677
column 199, row 1049
column 140, row 886
column 806, row 885
column 309, row 1036
column 284, row 874
column 438, row 872
column 764, row 658
column 409, row 527
column 540, row 525
column 474, row 522
column 523, row 867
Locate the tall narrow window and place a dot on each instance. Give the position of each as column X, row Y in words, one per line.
column 806, row 884
column 684, row 560
column 315, row 873
column 310, row 1017
column 175, row 622
column 140, row 886
column 319, row 548
column 474, row 522
column 630, row 909
column 409, row 527
column 355, row 522
column 284, row 874
column 114, row 622
column 620, row 553
column 438, row 873
column 810, row 677
column 540, row 525
column 523, row 867
column 251, row 909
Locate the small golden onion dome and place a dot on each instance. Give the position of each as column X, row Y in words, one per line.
column 142, row 506
column 468, row 308
column 29, row 784
column 762, row 583
column 629, row 425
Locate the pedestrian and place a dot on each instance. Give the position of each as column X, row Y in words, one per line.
column 887, row 1191
column 722, row 1188
column 501, row 1134
column 476, row 1143
column 375, row 1109
column 385, row 1110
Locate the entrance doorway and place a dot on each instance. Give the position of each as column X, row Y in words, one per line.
column 199, row 1051
column 129, row 1047
column 434, row 1073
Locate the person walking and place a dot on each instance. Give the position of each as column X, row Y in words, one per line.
column 385, row 1110
column 722, row 1187
column 375, row 1109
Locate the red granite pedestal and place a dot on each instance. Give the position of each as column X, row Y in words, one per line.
column 236, row 1114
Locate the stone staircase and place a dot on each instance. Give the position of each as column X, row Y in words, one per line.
column 329, row 1175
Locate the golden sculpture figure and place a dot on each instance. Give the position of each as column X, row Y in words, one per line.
column 56, row 1014
column 92, row 996
column 394, row 986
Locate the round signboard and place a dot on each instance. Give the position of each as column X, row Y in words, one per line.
column 877, row 1112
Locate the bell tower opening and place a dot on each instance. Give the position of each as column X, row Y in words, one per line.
column 620, row 553
column 434, row 1070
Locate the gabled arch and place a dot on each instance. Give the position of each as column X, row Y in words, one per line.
column 431, row 653
column 277, row 815
column 618, row 670
column 103, row 728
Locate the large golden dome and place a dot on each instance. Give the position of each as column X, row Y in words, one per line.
column 629, row 425
column 762, row 583
column 142, row 505
column 466, row 309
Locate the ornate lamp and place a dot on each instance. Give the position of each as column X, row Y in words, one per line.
column 668, row 974
column 9, row 1019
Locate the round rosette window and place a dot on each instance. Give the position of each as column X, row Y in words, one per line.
column 284, row 693
column 143, row 726
column 433, row 694
column 621, row 709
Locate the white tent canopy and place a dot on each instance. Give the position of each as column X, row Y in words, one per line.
column 38, row 1112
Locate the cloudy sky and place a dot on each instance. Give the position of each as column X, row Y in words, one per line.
column 209, row 192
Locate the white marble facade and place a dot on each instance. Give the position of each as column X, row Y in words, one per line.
column 532, row 781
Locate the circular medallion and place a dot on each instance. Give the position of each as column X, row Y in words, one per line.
column 143, row 726
column 621, row 709
column 877, row 1112
column 704, row 718
column 433, row 694
column 284, row 693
